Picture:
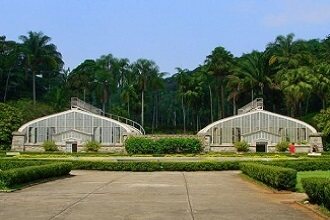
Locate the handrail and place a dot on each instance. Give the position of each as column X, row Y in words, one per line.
column 77, row 103
column 257, row 104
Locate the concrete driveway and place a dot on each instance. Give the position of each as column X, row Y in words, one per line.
column 151, row 195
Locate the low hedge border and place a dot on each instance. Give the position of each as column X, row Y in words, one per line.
column 277, row 177
column 12, row 177
column 302, row 165
column 318, row 190
column 155, row 166
column 12, row 164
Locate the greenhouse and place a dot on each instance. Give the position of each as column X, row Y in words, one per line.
column 261, row 129
column 71, row 129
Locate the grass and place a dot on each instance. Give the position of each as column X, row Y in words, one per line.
column 305, row 174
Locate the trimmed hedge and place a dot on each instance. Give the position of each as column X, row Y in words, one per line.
column 276, row 177
column 318, row 190
column 302, row 165
column 143, row 145
column 17, row 176
column 155, row 166
column 7, row 164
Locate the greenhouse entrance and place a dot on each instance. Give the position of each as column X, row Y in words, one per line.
column 71, row 146
column 261, row 147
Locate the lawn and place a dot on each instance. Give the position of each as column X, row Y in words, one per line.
column 305, row 174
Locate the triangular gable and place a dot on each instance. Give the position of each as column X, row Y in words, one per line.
column 254, row 132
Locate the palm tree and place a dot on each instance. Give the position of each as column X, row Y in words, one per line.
column 220, row 64
column 254, row 69
column 322, row 86
column 181, row 78
column 297, row 85
column 145, row 70
column 40, row 55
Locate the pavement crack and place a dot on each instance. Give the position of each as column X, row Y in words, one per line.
column 188, row 197
column 85, row 196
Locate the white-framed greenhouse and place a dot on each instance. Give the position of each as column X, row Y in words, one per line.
column 261, row 129
column 71, row 129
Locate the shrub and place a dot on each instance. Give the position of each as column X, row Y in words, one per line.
column 282, row 146
column 49, row 145
column 143, row 145
column 7, row 164
column 155, row 166
column 303, row 165
column 16, row 176
column 276, row 177
column 92, row 146
column 140, row 145
column 241, row 146
column 10, row 120
column 318, row 190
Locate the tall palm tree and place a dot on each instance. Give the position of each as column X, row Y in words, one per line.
column 220, row 64
column 182, row 78
column 145, row 70
column 40, row 55
column 254, row 69
column 296, row 84
column 322, row 86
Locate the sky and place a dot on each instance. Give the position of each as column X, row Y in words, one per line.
column 173, row 33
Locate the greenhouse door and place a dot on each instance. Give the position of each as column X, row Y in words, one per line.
column 261, row 147
column 71, row 147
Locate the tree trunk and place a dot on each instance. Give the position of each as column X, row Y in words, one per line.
column 234, row 105
column 211, row 103
column 6, row 88
column 34, row 88
column 142, row 109
column 129, row 115
column 222, row 101
column 184, row 115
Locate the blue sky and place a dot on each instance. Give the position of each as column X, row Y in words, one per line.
column 173, row 33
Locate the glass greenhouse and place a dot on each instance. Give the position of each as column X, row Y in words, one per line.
column 261, row 129
column 72, row 128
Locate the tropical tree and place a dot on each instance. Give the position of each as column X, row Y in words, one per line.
column 145, row 70
column 254, row 69
column 297, row 85
column 181, row 78
column 40, row 56
column 220, row 64
column 322, row 82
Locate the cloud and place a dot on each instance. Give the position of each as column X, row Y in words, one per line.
column 299, row 12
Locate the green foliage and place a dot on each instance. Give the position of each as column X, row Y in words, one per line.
column 307, row 174
column 277, row 177
column 92, row 146
column 143, row 145
column 282, row 146
column 32, row 111
column 49, row 145
column 318, row 190
column 303, row 165
column 17, row 176
column 10, row 120
column 7, row 164
column 241, row 146
column 154, row 166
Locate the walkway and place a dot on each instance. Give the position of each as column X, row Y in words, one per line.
column 157, row 195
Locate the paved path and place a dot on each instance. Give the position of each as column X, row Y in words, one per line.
column 155, row 195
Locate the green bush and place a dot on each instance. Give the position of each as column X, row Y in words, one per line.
column 17, row 176
column 7, row 164
column 154, row 166
column 282, row 146
column 241, row 146
column 10, row 120
column 92, row 146
column 49, row 145
column 303, row 165
column 318, row 190
column 143, row 145
column 276, row 177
